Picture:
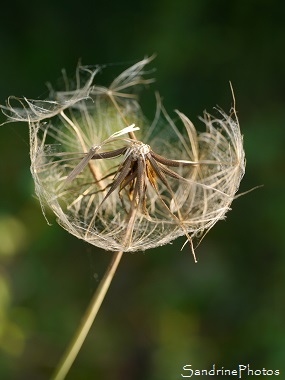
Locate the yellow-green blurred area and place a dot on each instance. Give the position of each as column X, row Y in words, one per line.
column 162, row 310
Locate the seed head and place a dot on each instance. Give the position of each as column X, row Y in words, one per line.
column 119, row 182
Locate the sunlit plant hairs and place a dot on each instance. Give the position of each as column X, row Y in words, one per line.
column 121, row 182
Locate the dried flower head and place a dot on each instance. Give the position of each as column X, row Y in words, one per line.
column 119, row 182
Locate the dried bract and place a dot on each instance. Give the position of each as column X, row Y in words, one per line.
column 119, row 182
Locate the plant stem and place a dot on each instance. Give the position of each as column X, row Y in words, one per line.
column 87, row 320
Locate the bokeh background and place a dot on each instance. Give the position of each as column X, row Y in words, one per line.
column 162, row 310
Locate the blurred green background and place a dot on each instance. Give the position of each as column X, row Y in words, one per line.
column 162, row 310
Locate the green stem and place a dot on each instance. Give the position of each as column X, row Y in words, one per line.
column 87, row 320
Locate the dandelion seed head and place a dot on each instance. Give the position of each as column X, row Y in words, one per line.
column 120, row 182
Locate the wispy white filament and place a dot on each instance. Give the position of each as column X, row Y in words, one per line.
column 67, row 131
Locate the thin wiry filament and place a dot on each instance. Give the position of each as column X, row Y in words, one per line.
column 119, row 182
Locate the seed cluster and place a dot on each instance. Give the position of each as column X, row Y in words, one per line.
column 120, row 187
